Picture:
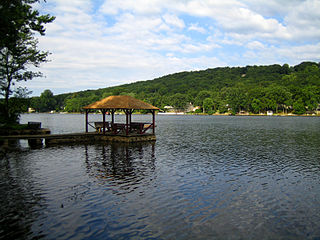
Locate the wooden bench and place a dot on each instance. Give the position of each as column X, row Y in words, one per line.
column 99, row 126
column 137, row 127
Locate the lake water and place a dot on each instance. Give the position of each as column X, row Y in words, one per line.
column 206, row 177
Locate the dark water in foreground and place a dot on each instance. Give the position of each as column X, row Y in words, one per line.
column 206, row 177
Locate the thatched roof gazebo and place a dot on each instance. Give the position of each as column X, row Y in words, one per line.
column 127, row 104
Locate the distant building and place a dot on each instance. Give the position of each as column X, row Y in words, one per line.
column 31, row 110
column 318, row 110
column 195, row 108
column 191, row 108
column 243, row 113
column 169, row 109
column 269, row 113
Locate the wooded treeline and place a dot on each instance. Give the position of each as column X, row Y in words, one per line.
column 254, row 89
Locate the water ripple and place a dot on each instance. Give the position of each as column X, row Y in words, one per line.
column 205, row 178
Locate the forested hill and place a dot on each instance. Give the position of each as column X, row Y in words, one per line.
column 252, row 88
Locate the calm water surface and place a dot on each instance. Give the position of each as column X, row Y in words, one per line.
column 206, row 177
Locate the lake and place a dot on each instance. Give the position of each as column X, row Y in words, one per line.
column 206, row 177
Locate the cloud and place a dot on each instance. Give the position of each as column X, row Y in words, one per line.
column 304, row 22
column 97, row 44
column 297, row 54
column 255, row 45
column 197, row 28
column 173, row 20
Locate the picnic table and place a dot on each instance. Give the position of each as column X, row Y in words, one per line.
column 116, row 128
column 99, row 126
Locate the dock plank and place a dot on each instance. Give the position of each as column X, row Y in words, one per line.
column 82, row 137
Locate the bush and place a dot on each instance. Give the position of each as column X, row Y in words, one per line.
column 198, row 111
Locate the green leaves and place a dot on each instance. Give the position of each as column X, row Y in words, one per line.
column 18, row 46
column 254, row 89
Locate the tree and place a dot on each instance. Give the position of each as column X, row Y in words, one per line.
column 299, row 107
column 237, row 99
column 47, row 101
column 278, row 96
column 257, row 106
column 18, row 46
column 201, row 96
column 208, row 105
column 179, row 101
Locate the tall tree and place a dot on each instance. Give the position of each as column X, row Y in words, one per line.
column 18, row 46
column 47, row 101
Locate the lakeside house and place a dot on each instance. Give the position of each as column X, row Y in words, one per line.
column 172, row 110
column 269, row 113
column 31, row 110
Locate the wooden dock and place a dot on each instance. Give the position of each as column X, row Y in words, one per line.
column 90, row 137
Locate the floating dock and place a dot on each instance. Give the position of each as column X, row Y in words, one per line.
column 90, row 137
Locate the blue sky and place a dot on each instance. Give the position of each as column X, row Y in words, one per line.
column 102, row 43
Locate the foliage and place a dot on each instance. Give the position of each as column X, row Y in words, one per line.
column 208, row 105
column 254, row 89
column 14, row 126
column 45, row 103
column 18, row 48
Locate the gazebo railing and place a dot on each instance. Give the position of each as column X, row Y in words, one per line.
column 118, row 128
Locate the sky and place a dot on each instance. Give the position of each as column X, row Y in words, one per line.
column 102, row 43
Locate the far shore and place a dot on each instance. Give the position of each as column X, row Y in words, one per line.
column 198, row 114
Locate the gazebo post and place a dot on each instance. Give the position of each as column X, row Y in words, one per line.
column 112, row 116
column 87, row 120
column 153, row 121
column 131, row 111
column 127, row 121
column 104, row 121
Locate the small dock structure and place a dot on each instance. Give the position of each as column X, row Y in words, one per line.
column 128, row 132
column 129, row 129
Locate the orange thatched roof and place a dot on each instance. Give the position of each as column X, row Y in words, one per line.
column 120, row 102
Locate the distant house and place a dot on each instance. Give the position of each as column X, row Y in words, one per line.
column 269, row 113
column 195, row 108
column 191, row 108
column 168, row 109
column 243, row 113
column 31, row 110
column 318, row 110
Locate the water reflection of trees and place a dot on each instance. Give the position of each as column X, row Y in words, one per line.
column 121, row 164
column 18, row 198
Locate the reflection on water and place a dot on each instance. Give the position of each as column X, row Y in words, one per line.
column 121, row 164
column 20, row 199
column 206, row 177
column 67, row 192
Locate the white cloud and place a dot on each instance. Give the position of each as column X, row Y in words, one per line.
column 197, row 28
column 173, row 20
column 118, row 42
column 255, row 45
column 304, row 22
column 136, row 6
column 301, row 53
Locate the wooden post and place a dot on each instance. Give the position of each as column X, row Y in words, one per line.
column 130, row 115
column 153, row 121
column 127, row 121
column 104, row 121
column 112, row 116
column 87, row 120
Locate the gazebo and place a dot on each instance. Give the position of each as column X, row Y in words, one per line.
column 127, row 104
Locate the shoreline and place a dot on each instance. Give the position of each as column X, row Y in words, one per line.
column 199, row 114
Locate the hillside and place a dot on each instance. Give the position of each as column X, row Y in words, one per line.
column 251, row 88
